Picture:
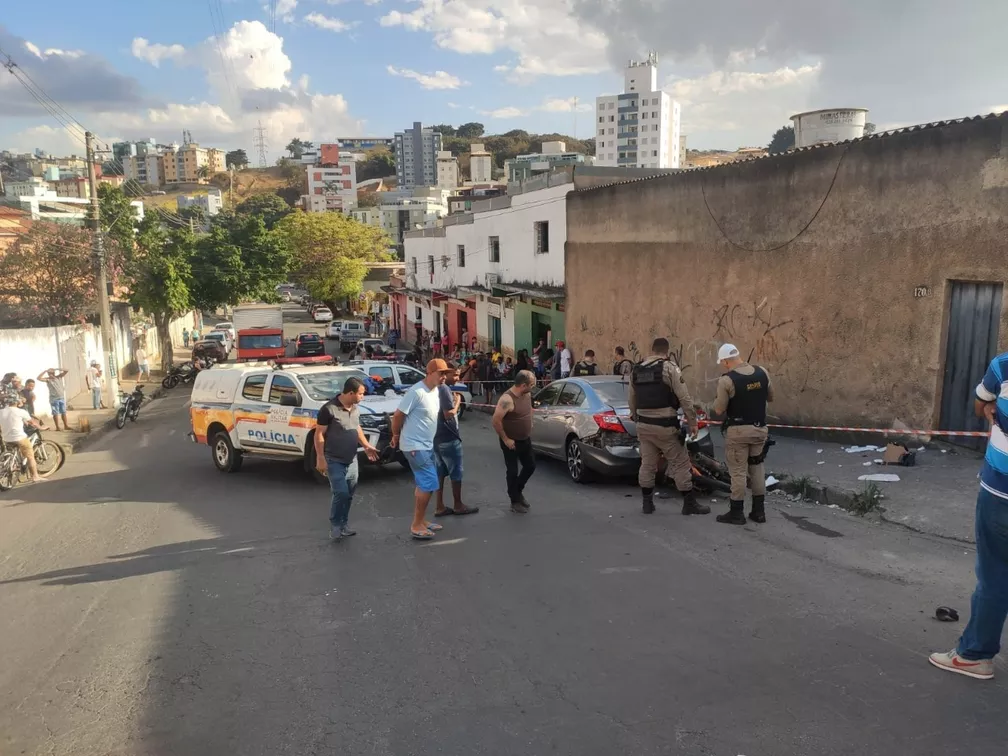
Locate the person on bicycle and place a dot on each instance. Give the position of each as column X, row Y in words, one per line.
column 13, row 420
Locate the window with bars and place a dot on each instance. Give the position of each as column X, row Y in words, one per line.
column 541, row 230
column 460, row 250
column 493, row 244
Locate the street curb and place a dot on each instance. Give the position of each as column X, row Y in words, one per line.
column 98, row 431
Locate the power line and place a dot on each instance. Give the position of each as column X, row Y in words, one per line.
column 260, row 144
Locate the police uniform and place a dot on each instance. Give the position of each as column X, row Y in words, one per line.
column 742, row 395
column 623, row 367
column 583, row 368
column 657, row 391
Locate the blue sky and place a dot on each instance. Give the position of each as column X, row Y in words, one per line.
column 371, row 67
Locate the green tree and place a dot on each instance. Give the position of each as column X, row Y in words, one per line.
column 117, row 217
column 782, row 141
column 444, row 129
column 377, row 163
column 472, row 130
column 368, row 199
column 265, row 257
column 203, row 172
column 289, row 194
column 158, row 277
column 49, row 276
column 218, row 272
column 269, row 206
column 236, row 159
column 330, row 252
column 296, row 148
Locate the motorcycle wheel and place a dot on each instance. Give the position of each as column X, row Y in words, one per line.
column 49, row 457
column 166, row 381
column 173, row 381
column 8, row 471
column 121, row 417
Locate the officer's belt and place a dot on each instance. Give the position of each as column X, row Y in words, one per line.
column 664, row 422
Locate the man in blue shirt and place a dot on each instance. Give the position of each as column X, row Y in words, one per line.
column 414, row 425
column 448, row 447
column 974, row 655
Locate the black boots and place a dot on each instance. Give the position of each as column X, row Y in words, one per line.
column 690, row 506
column 735, row 515
column 758, row 513
column 647, row 495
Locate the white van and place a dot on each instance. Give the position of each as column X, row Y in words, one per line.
column 350, row 333
column 257, row 409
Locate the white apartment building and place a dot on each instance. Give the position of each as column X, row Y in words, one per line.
column 32, row 187
column 498, row 270
column 640, row 127
column 210, row 203
column 416, row 152
column 447, row 170
column 332, row 181
column 480, row 165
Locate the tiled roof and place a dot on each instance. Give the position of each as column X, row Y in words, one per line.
column 877, row 135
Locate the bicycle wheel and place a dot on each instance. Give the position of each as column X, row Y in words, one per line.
column 49, row 457
column 8, row 471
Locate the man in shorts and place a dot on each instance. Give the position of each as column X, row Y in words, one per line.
column 448, row 446
column 414, row 426
column 55, row 379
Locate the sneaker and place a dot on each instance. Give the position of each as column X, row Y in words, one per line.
column 519, row 508
column 335, row 535
column 346, row 532
column 981, row 669
column 524, row 503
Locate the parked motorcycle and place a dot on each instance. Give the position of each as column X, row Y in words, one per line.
column 49, row 457
column 184, row 373
column 129, row 406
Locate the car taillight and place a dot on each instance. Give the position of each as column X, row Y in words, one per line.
column 609, row 421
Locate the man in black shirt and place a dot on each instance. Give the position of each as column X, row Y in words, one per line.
column 448, row 446
column 337, row 436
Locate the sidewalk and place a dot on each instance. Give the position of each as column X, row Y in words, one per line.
column 937, row 496
column 98, row 421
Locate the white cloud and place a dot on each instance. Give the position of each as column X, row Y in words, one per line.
column 51, row 52
column 545, row 37
column 329, row 23
column 453, row 105
column 285, row 10
column 560, row 105
column 996, row 108
column 155, row 53
column 505, row 113
column 722, row 103
column 436, row 80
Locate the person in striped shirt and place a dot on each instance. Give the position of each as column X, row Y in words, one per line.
column 974, row 655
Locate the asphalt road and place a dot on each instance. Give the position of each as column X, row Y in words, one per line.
column 152, row 605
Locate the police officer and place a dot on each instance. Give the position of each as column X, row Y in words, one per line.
column 622, row 366
column 742, row 394
column 586, row 366
column 657, row 391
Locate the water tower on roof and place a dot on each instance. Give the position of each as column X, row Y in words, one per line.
column 824, row 126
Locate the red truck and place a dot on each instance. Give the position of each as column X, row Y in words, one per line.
column 260, row 331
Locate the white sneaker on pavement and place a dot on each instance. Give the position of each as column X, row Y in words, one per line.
column 981, row 669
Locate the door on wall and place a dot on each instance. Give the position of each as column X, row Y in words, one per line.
column 540, row 328
column 974, row 316
column 494, row 332
column 463, row 326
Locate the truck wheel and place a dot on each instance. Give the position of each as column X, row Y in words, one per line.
column 224, row 455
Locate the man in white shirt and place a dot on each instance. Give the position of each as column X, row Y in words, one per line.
column 93, row 378
column 142, row 364
column 12, row 423
column 565, row 359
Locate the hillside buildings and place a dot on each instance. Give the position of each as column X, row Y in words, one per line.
column 480, row 165
column 153, row 164
column 447, row 170
column 640, row 126
column 210, row 203
column 332, row 180
column 554, row 155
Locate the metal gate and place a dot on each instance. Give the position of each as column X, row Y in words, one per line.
column 974, row 316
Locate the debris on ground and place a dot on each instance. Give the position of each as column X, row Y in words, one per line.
column 946, row 614
column 881, row 477
column 861, row 449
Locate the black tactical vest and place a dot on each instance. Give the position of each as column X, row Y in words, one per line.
column 617, row 368
column 650, row 390
column 582, row 369
column 748, row 406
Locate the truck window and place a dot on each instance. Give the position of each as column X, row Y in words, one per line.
column 282, row 386
column 260, row 341
column 254, row 387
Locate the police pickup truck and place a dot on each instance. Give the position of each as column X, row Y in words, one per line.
column 263, row 410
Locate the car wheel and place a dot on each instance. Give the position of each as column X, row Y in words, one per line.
column 575, row 461
column 310, row 461
column 224, row 455
column 462, row 409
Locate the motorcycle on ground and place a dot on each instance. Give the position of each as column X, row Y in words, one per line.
column 129, row 406
column 184, row 373
column 49, row 457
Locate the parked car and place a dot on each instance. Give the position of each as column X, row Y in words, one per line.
column 230, row 328
column 350, row 333
column 586, row 423
column 224, row 337
column 209, row 348
column 308, row 344
column 400, row 377
column 322, row 315
column 333, row 332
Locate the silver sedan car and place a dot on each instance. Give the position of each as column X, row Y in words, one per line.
column 586, row 423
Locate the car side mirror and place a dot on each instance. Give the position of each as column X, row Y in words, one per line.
column 290, row 400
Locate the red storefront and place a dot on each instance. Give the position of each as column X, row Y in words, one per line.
column 461, row 317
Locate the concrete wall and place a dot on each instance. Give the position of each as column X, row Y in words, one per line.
column 809, row 260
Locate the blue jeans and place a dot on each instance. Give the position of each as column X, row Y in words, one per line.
column 989, row 606
column 342, row 483
column 449, row 454
column 96, row 397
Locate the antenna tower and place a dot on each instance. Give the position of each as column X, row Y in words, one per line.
column 259, row 141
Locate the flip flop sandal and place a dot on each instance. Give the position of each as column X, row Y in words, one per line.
column 426, row 535
column 467, row 510
column 447, row 513
column 434, row 527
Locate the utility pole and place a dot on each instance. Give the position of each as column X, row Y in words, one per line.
column 111, row 373
column 260, row 143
